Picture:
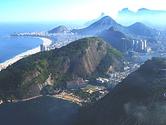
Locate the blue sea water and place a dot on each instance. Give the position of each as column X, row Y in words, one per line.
column 12, row 46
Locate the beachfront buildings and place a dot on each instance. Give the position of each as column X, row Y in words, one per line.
column 44, row 47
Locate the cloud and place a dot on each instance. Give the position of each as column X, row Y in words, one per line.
column 112, row 7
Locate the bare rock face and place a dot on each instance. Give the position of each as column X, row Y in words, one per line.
column 87, row 63
column 79, row 59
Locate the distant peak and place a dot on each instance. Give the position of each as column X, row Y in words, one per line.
column 138, row 24
column 59, row 29
column 102, row 14
column 107, row 18
column 143, row 9
column 125, row 9
column 62, row 26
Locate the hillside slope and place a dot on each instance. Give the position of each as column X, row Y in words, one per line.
column 117, row 39
column 138, row 100
column 142, row 30
column 79, row 59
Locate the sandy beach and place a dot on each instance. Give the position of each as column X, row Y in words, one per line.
column 9, row 62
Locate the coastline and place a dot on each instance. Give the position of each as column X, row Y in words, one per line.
column 5, row 64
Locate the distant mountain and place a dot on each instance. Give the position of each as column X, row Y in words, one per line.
column 79, row 59
column 140, row 29
column 137, row 100
column 99, row 26
column 148, row 11
column 93, row 21
column 153, row 18
column 59, row 29
column 126, row 11
column 117, row 39
column 137, row 30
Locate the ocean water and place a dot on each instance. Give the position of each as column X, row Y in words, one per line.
column 12, row 46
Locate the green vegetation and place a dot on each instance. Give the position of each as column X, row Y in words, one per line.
column 90, row 97
column 115, row 52
column 113, row 58
column 64, row 64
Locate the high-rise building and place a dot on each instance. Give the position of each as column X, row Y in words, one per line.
column 139, row 45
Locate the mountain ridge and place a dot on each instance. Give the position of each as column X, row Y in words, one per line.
column 128, row 17
column 141, row 29
column 98, row 26
column 130, row 31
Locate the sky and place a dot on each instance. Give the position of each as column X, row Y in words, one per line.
column 69, row 10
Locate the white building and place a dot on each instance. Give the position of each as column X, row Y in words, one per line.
column 140, row 46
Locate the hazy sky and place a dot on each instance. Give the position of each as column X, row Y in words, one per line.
column 52, row 10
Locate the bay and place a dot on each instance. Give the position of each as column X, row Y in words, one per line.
column 12, row 46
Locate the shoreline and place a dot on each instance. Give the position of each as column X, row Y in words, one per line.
column 5, row 64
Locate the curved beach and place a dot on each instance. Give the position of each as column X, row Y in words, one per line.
column 9, row 62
